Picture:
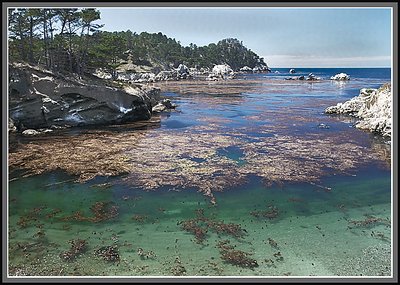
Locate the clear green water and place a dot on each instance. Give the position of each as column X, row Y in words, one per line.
column 311, row 230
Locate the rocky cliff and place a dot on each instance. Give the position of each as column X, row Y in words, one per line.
column 39, row 98
column 372, row 106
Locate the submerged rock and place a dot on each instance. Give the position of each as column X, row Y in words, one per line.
column 291, row 71
column 341, row 77
column 39, row 98
column 311, row 76
column 163, row 105
column 372, row 106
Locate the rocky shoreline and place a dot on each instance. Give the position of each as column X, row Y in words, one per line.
column 373, row 107
column 41, row 99
column 218, row 72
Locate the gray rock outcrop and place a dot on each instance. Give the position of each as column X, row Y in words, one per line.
column 39, row 98
column 372, row 106
column 309, row 77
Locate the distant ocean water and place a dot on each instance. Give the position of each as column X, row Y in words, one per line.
column 326, row 73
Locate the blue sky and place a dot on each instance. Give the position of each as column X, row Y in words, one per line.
column 294, row 37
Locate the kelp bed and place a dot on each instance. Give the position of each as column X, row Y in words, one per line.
column 189, row 159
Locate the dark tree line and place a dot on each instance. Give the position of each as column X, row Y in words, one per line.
column 70, row 40
column 59, row 39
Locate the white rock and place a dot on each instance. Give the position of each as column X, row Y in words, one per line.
column 102, row 74
column 341, row 77
column 372, row 106
column 159, row 108
column 246, row 69
column 182, row 69
column 30, row 132
column 222, row 70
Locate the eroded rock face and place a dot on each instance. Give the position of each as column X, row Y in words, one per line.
column 41, row 99
column 372, row 106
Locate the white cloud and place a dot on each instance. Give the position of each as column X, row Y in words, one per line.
column 324, row 61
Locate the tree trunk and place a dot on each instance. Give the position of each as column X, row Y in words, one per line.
column 31, row 39
column 45, row 53
column 22, row 43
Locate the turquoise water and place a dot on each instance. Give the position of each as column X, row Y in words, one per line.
column 339, row 225
column 311, row 228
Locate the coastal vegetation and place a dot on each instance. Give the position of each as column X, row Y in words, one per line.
column 71, row 41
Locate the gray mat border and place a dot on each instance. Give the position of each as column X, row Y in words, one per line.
column 392, row 5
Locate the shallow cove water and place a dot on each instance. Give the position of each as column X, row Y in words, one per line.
column 337, row 226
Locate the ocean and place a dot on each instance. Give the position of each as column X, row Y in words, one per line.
column 247, row 177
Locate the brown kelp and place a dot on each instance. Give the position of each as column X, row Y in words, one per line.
column 200, row 226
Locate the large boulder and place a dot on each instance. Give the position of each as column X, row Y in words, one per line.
column 183, row 71
column 39, row 98
column 372, row 106
column 221, row 71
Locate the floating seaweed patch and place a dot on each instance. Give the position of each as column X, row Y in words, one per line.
column 78, row 247
column 32, row 216
column 369, row 221
column 140, row 218
column 269, row 262
column 178, row 269
column 231, row 229
column 273, row 243
column 108, row 253
column 235, row 257
column 192, row 226
column 102, row 211
column 201, row 225
column 278, row 256
column 146, row 254
column 53, row 213
column 271, row 214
